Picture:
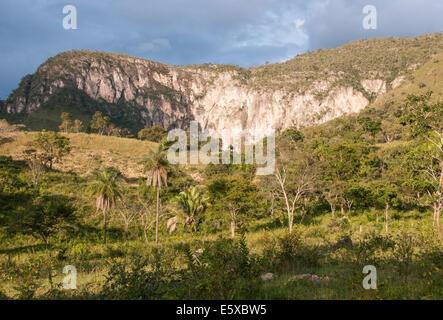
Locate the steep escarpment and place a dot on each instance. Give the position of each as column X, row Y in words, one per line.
column 120, row 86
column 307, row 90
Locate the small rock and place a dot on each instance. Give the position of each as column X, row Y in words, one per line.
column 267, row 276
column 301, row 276
column 311, row 277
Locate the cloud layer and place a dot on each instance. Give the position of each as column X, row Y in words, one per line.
column 197, row 31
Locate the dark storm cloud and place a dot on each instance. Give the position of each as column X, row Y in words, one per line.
column 171, row 31
column 244, row 32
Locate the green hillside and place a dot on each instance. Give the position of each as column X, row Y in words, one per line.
column 363, row 189
column 384, row 58
column 322, row 258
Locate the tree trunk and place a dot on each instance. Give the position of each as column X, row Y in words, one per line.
column 438, row 217
column 332, row 210
column 156, row 215
column 272, row 206
column 232, row 228
column 104, row 227
column 126, row 233
column 145, row 232
column 48, row 250
column 291, row 221
column 303, row 213
column 434, row 220
column 342, row 209
column 386, row 216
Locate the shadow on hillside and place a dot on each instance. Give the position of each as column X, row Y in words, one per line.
column 35, row 247
column 131, row 181
column 282, row 222
column 4, row 140
column 268, row 225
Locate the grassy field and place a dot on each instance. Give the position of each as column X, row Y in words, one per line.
column 89, row 152
column 403, row 272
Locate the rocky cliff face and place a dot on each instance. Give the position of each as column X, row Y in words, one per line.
column 217, row 96
column 170, row 96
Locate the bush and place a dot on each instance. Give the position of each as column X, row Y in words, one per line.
column 404, row 252
column 224, row 270
column 339, row 224
column 141, row 279
column 154, row 134
column 27, row 276
column 290, row 251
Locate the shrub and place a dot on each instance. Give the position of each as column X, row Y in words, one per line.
column 141, row 279
column 27, row 276
column 224, row 270
column 154, row 133
column 339, row 224
column 404, row 252
column 289, row 251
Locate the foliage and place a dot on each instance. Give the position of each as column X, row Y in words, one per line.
column 192, row 204
column 106, row 189
column 237, row 197
column 43, row 217
column 51, row 147
column 154, row 133
column 99, row 123
column 66, row 124
column 145, row 280
column 224, row 270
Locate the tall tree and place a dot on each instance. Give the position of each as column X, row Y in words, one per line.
column 237, row 196
column 66, row 122
column 156, row 169
column 295, row 182
column 128, row 209
column 100, row 123
column 425, row 178
column 106, row 189
column 425, row 120
column 51, row 147
column 340, row 165
column 43, row 217
column 78, row 126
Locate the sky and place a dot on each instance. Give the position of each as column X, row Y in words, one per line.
column 181, row 32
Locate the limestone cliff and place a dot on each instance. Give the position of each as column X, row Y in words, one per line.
column 217, row 96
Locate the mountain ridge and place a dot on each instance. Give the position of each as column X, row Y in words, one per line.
column 309, row 89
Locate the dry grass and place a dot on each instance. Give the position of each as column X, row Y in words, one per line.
column 89, row 152
column 428, row 77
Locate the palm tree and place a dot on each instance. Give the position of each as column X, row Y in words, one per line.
column 106, row 189
column 156, row 168
column 192, row 204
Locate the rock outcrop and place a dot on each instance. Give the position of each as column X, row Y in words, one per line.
column 219, row 97
column 169, row 96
